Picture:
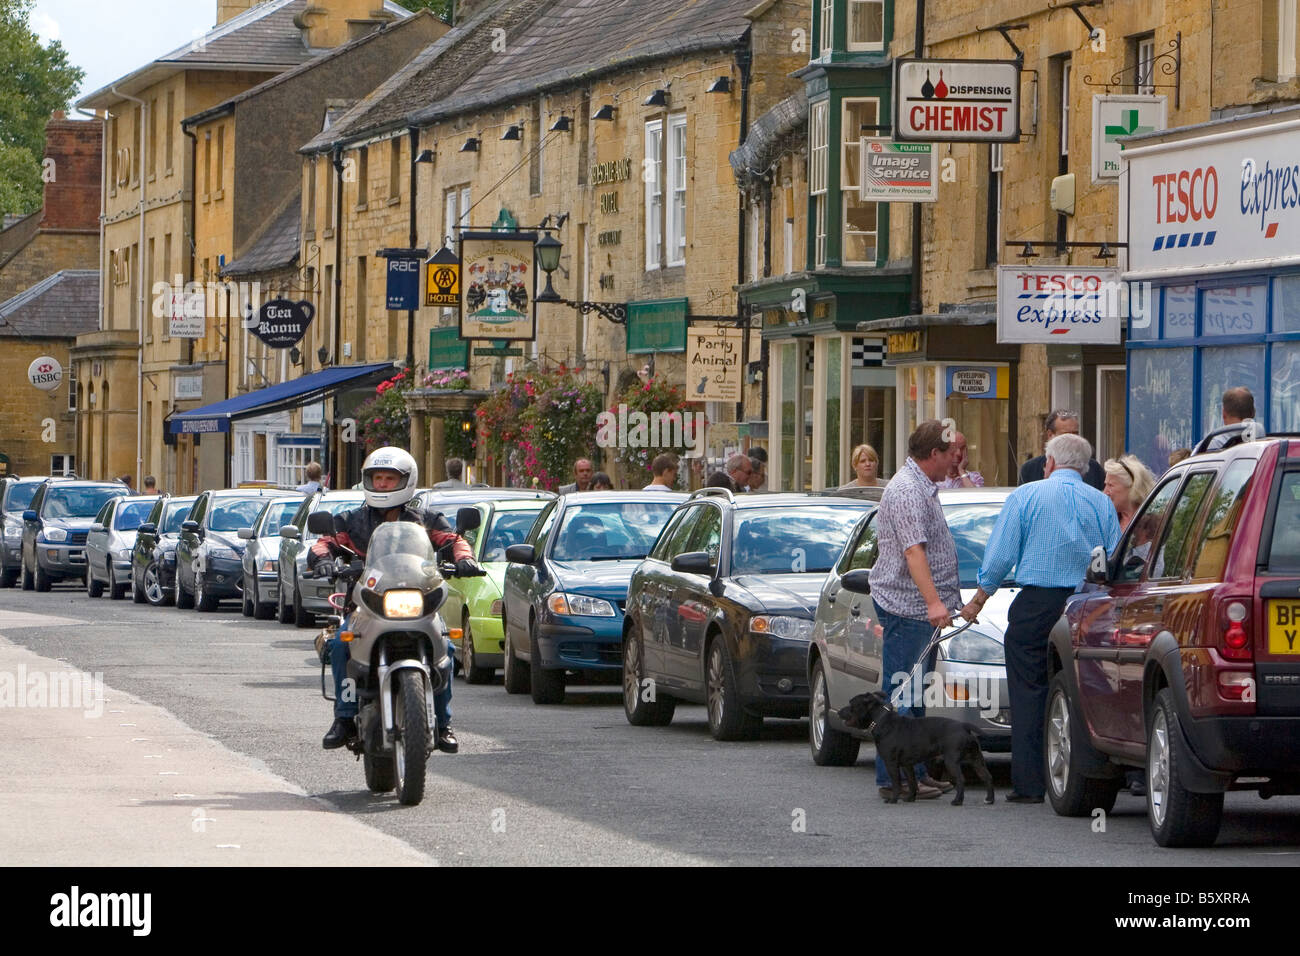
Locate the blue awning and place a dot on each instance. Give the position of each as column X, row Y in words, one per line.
column 275, row 398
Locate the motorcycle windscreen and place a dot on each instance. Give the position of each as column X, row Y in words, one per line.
column 401, row 556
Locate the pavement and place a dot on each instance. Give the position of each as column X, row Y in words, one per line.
column 97, row 777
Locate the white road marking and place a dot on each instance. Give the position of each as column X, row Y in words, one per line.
column 10, row 619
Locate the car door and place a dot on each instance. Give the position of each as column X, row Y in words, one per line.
column 187, row 543
column 690, row 605
column 649, row 590
column 524, row 582
column 97, row 539
column 289, row 547
column 853, row 636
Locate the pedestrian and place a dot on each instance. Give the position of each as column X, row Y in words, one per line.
column 1046, row 531
column 455, row 468
column 1238, row 405
column 1179, row 454
column 739, row 470
column 720, row 479
column 664, row 470
column 958, row 476
column 150, row 485
column 601, row 482
column 1060, row 422
column 866, row 468
column 313, row 483
column 758, row 473
column 126, row 480
column 1128, row 482
column 914, row 582
column 583, row 472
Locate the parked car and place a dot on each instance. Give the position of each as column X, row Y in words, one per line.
column 261, row 560
column 566, row 587
column 1182, row 657
column 721, row 612
column 15, row 498
column 153, row 559
column 475, row 604
column 969, row 671
column 109, row 544
column 209, row 551
column 55, row 528
column 302, row 595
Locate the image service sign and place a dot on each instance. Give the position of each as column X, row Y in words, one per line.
column 957, row 101
column 898, row 172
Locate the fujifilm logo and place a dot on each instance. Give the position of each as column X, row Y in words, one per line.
column 102, row 909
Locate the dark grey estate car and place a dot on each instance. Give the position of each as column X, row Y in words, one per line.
column 55, row 529
column 209, row 553
column 15, row 497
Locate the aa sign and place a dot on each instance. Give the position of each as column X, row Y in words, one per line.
column 714, row 355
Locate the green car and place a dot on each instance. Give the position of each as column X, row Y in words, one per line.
column 474, row 604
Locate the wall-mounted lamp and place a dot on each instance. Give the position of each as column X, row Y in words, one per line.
column 514, row 133
column 721, row 85
column 466, row 426
column 562, row 125
column 425, row 156
column 471, row 145
column 657, row 98
column 606, row 112
column 295, row 355
column 323, row 354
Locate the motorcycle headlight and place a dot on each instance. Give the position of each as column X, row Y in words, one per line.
column 792, row 628
column 972, row 647
column 498, row 608
column 13, row 531
column 403, row 604
column 54, row 534
column 580, row 605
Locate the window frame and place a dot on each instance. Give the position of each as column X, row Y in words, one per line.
column 675, row 194
column 850, row 192
column 865, row 46
column 653, row 168
column 819, row 176
column 826, row 29
column 1144, row 56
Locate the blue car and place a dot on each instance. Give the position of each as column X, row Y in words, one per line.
column 567, row 584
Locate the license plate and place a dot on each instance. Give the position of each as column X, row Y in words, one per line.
column 1284, row 627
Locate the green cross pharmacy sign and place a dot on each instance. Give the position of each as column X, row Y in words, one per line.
column 1114, row 117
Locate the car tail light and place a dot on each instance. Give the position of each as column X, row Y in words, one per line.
column 1236, row 632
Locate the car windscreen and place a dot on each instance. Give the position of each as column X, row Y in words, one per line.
column 20, row 495
column 78, row 502
column 508, row 527
column 788, row 540
column 175, row 513
column 279, row 514
column 610, row 532
column 130, row 515
column 231, row 514
column 971, row 524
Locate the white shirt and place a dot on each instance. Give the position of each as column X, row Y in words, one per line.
column 655, row 487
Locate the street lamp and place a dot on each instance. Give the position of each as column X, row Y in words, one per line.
column 548, row 260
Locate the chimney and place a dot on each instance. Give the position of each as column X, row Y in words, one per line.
column 227, row 9
column 71, row 173
column 326, row 24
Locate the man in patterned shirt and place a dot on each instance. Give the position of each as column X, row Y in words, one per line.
column 1046, row 531
column 914, row 582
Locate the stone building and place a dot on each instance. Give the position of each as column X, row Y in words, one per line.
column 609, row 121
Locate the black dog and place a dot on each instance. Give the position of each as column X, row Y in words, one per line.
column 902, row 742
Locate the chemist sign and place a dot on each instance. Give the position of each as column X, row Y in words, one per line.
column 714, row 354
column 957, row 101
column 1060, row 305
column 897, row 172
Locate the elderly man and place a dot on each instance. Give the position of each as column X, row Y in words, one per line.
column 958, row 476
column 1238, row 405
column 583, row 472
column 455, row 474
column 914, row 582
column 740, row 469
column 1060, row 422
column 1046, row 531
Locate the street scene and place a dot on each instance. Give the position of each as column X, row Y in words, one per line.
column 651, row 432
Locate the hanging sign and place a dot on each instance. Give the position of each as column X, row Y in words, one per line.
column 45, row 373
column 957, row 101
column 500, row 277
column 1063, row 305
column 442, row 279
column 186, row 317
column 714, row 370
column 281, row 323
column 897, row 172
column 403, row 292
column 1114, row 117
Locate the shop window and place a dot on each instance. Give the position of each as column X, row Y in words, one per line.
column 1225, row 368
column 831, row 420
column 1286, row 304
column 1112, row 398
column 63, row 464
column 1160, row 404
column 1234, row 310
column 789, row 365
column 1178, row 314
column 866, row 25
column 1284, row 388
column 1067, row 387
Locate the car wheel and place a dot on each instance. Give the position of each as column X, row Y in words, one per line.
column 473, row 673
column 517, row 674
column 137, row 593
column 153, row 589
column 94, row 588
column 301, row 617
column 8, row 576
column 115, row 591
column 548, row 683
column 43, row 580
column 184, row 599
column 204, row 598
column 642, row 705
column 283, row 613
column 246, row 605
column 28, row 583
column 1178, row 817
column 830, row 747
column 262, row 610
column 728, row 720
column 1065, row 742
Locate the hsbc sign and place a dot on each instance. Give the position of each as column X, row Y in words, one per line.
column 957, row 101
column 1229, row 200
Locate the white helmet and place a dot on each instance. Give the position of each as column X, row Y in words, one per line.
column 390, row 459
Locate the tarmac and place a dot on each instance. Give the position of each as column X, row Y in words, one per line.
column 96, row 777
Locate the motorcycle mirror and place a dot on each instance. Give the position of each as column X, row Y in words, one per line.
column 320, row 522
column 467, row 519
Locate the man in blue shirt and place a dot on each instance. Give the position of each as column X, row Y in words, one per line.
column 1046, row 531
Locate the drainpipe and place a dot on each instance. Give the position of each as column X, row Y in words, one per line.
column 103, row 215
column 187, row 345
column 916, row 303
column 140, row 314
column 336, row 473
column 745, row 61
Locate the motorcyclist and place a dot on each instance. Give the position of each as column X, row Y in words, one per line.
column 389, row 477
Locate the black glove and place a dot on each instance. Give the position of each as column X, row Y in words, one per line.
column 469, row 568
column 327, row 568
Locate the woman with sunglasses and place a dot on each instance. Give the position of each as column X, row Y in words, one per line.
column 1128, row 482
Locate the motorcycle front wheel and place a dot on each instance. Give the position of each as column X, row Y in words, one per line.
column 411, row 748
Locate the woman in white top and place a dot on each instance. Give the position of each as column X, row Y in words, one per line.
column 866, row 466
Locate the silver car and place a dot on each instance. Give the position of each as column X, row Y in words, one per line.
column 109, row 543
column 302, row 594
column 261, row 559
column 966, row 681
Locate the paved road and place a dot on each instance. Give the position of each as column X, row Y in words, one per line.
column 576, row 784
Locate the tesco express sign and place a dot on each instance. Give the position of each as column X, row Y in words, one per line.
column 1230, row 200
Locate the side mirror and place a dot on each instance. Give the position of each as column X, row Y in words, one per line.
column 147, row 528
column 856, row 581
column 467, row 519
column 96, row 526
column 246, row 533
column 521, row 554
column 190, row 526
column 318, row 522
column 693, row 562
column 1098, row 566
column 29, row 515
column 291, row 531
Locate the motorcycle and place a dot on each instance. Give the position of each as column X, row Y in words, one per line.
column 397, row 651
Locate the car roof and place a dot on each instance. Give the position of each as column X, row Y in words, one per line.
column 974, row 495
column 249, row 493
column 516, row 504
column 621, row 497
column 86, row 483
column 340, row 494
column 784, row 499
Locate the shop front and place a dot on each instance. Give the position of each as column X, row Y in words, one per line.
column 1214, row 278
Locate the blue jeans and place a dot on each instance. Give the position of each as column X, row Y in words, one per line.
column 904, row 640
column 348, row 708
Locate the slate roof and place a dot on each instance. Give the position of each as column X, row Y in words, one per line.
column 550, row 44
column 63, row 305
column 276, row 246
column 780, row 128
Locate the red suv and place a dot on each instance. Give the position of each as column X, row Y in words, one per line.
column 1182, row 655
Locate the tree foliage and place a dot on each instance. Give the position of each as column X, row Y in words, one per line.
column 35, row 81
column 439, row 8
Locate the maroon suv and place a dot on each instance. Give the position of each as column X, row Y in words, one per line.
column 1182, row 656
